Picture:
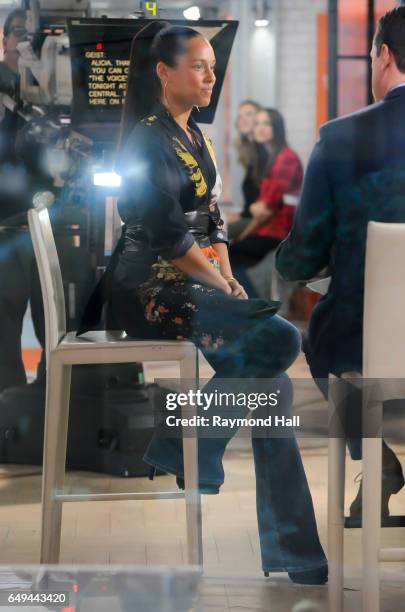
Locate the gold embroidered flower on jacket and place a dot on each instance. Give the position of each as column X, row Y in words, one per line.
column 149, row 120
column 193, row 168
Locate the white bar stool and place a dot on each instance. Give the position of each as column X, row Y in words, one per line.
column 383, row 379
column 64, row 350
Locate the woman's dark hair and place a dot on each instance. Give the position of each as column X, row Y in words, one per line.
column 391, row 32
column 278, row 142
column 243, row 143
column 15, row 14
column 156, row 42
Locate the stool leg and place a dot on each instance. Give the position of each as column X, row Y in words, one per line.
column 336, row 486
column 372, row 473
column 274, row 280
column 336, row 495
column 54, row 458
column 189, row 373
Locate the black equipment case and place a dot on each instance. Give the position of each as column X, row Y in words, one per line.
column 111, row 420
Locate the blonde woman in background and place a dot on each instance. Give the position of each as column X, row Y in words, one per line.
column 247, row 154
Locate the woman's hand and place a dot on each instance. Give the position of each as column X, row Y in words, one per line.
column 233, row 217
column 233, row 287
column 236, row 289
column 196, row 265
column 227, row 289
column 260, row 212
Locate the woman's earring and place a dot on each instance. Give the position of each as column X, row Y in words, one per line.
column 166, row 103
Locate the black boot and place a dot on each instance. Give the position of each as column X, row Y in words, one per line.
column 203, row 489
column 392, row 482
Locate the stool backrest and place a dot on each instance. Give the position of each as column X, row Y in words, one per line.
column 50, row 276
column 384, row 302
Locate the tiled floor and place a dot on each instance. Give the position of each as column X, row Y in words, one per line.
column 152, row 533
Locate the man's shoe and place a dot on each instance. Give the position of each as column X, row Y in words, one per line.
column 392, row 482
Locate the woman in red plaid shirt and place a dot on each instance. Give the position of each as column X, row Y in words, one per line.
column 279, row 183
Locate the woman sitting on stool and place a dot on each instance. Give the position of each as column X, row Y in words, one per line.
column 170, row 278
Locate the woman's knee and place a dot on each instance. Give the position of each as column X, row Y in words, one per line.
column 288, row 341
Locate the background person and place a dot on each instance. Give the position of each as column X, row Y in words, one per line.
column 281, row 174
column 248, row 152
column 19, row 281
column 13, row 174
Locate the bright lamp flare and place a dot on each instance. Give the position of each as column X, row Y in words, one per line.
column 261, row 23
column 192, row 13
column 106, row 179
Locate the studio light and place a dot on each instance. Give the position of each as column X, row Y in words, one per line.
column 106, row 179
column 261, row 14
column 192, row 13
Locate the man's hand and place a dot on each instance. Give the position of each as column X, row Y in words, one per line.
column 260, row 212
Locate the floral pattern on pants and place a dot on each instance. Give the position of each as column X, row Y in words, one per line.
column 171, row 302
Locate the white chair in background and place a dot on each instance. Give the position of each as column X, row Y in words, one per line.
column 266, row 279
column 383, row 378
column 101, row 347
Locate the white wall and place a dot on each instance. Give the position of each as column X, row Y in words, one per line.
column 277, row 67
column 252, row 74
column 296, row 69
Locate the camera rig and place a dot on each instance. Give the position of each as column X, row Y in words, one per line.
column 77, row 140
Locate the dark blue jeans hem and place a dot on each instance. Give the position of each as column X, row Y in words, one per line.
column 294, row 568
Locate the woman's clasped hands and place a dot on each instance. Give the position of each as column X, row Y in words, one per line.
column 236, row 289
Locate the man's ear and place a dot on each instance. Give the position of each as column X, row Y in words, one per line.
column 4, row 43
column 386, row 56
